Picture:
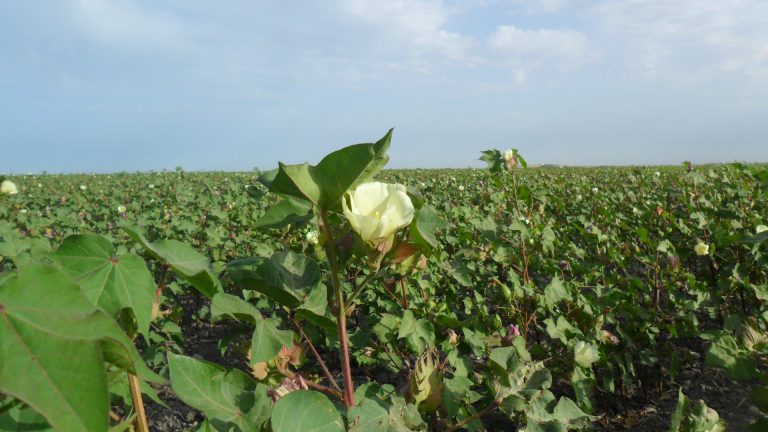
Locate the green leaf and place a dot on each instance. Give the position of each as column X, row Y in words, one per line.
column 424, row 227
column 699, row 418
column 110, row 281
column 567, row 412
column 267, row 177
column 296, row 181
column 725, row 353
column 232, row 306
column 305, row 411
column 349, row 167
column 583, row 382
column 326, row 183
column 21, row 418
column 418, row 334
column 288, row 211
column 228, row 397
column 757, row 238
column 188, row 263
column 268, row 340
column 56, row 336
column 404, row 417
column 493, row 160
column 287, row 277
column 555, row 292
column 368, row 416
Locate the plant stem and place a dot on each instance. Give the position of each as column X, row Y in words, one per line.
column 360, row 287
column 312, row 385
column 483, row 412
column 161, row 283
column 317, row 355
column 526, row 277
column 138, row 404
column 341, row 311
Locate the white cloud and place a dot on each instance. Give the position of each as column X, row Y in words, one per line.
column 122, row 23
column 413, row 27
column 566, row 45
column 687, row 38
column 537, row 6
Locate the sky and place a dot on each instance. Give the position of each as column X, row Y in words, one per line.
column 106, row 86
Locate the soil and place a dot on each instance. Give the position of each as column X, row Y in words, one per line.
column 642, row 413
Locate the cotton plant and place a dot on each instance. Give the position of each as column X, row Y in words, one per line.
column 359, row 226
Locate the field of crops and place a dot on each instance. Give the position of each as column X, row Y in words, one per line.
column 507, row 298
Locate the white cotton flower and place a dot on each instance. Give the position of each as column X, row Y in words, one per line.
column 121, row 208
column 594, row 190
column 657, row 174
column 151, row 186
column 23, row 211
column 83, row 187
column 701, row 249
column 39, row 185
column 376, row 210
column 760, row 228
column 509, row 155
column 312, row 237
column 461, row 188
column 585, row 354
column 7, row 187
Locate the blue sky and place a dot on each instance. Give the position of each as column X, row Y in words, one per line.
column 88, row 85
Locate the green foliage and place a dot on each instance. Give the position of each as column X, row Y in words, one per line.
column 306, row 411
column 514, row 278
column 696, row 418
column 340, row 171
column 228, row 397
column 190, row 264
column 61, row 345
column 111, row 281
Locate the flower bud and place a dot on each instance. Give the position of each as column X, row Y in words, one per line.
column 609, row 337
column 453, row 338
column 513, row 331
column 673, row 261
